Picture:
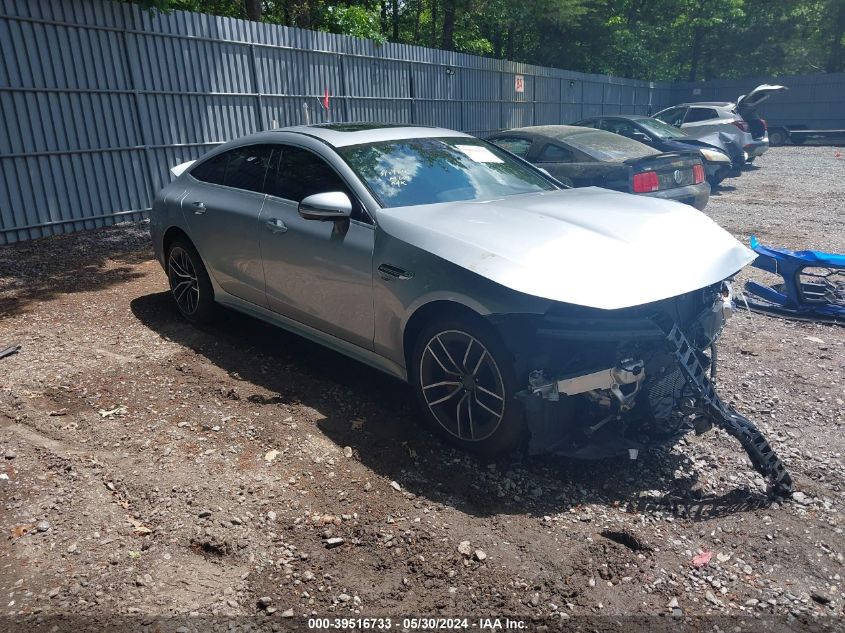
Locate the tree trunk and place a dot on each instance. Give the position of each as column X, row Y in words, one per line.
column 395, row 16
column 433, row 22
column 449, row 25
column 497, row 44
column 384, row 17
column 417, row 10
column 836, row 59
column 254, row 10
column 509, row 43
column 696, row 52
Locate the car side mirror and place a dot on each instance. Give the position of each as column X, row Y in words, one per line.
column 642, row 137
column 332, row 205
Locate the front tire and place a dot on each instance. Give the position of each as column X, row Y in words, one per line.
column 190, row 285
column 465, row 382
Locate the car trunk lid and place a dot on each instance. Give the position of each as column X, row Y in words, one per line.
column 665, row 171
column 746, row 107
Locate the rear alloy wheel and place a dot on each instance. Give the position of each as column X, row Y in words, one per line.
column 464, row 379
column 189, row 283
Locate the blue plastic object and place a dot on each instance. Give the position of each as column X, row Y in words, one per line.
column 813, row 285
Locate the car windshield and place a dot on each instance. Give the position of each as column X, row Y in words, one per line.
column 410, row 172
column 606, row 146
column 661, row 129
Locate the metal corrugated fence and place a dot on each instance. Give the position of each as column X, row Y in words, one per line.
column 99, row 99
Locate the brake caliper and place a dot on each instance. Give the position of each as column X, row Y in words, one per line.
column 762, row 455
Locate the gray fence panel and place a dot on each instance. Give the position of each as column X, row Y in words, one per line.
column 95, row 93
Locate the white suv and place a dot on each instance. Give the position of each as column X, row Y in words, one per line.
column 740, row 119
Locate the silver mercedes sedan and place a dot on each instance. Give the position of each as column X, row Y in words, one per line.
column 524, row 314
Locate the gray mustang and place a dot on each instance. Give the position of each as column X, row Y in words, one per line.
column 522, row 312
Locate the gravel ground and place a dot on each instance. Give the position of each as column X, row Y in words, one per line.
column 152, row 470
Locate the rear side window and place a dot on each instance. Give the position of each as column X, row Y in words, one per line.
column 700, row 114
column 241, row 168
column 555, row 154
column 213, row 170
column 518, row 146
column 247, row 167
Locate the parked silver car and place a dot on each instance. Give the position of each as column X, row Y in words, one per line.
column 575, row 320
column 740, row 118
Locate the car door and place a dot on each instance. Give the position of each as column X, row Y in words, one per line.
column 221, row 207
column 318, row 273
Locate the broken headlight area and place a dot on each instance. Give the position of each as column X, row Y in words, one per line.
column 604, row 383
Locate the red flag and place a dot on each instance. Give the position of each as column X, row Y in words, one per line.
column 326, row 100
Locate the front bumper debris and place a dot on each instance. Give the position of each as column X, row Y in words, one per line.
column 762, row 455
column 680, row 399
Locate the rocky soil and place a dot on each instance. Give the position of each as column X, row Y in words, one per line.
column 155, row 475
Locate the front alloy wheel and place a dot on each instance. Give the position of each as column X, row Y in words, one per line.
column 462, row 385
column 464, row 379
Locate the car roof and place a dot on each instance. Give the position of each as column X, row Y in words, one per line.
column 714, row 104
column 345, row 134
column 627, row 117
column 550, row 131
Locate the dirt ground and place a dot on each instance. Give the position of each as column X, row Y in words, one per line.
column 154, row 474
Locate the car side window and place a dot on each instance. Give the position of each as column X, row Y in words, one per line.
column 241, row 168
column 675, row 116
column 247, row 167
column 618, row 127
column 700, row 114
column 213, row 170
column 518, row 146
column 298, row 173
column 552, row 153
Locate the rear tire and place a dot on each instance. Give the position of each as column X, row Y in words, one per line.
column 466, row 384
column 778, row 137
column 190, row 285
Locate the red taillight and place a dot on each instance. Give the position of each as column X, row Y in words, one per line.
column 742, row 125
column 698, row 173
column 646, row 181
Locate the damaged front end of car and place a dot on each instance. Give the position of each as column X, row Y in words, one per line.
column 611, row 382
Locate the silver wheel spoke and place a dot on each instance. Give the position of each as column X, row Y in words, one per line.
column 485, row 407
column 458, row 410
column 442, row 383
column 439, row 362
column 471, row 428
column 444, row 398
column 478, row 364
column 181, row 293
column 488, row 392
column 466, row 353
column 448, row 355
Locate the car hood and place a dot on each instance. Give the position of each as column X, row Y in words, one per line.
column 590, row 247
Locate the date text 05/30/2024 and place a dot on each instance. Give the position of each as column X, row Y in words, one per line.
column 416, row 624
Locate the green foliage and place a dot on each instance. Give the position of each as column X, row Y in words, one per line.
column 646, row 39
column 356, row 20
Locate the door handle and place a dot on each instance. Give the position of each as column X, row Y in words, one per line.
column 275, row 225
column 199, row 207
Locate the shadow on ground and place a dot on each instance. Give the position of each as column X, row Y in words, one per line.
column 41, row 270
column 395, row 444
